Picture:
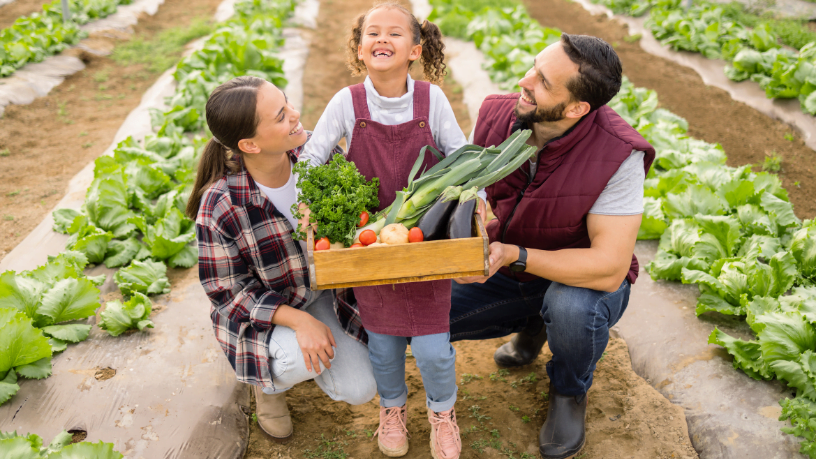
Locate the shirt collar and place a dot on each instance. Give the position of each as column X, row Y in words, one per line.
column 390, row 103
column 244, row 191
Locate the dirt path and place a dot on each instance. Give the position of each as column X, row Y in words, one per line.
column 9, row 13
column 44, row 144
column 746, row 135
column 500, row 412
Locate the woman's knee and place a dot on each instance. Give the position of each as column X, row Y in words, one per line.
column 362, row 391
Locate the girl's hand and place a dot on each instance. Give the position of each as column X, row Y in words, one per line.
column 316, row 342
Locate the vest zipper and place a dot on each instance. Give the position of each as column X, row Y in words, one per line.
column 507, row 223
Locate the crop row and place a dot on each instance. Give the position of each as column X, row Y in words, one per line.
column 33, row 38
column 131, row 217
column 729, row 230
column 755, row 51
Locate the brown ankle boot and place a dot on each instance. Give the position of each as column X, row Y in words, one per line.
column 273, row 415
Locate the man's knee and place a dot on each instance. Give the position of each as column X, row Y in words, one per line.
column 569, row 306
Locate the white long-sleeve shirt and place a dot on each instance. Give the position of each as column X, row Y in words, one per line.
column 337, row 121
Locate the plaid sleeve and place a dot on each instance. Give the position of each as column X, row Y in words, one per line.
column 229, row 283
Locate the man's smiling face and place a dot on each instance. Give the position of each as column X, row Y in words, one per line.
column 544, row 94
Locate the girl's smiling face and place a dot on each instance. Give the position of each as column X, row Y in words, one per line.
column 279, row 129
column 387, row 43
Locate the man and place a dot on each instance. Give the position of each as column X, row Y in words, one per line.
column 561, row 252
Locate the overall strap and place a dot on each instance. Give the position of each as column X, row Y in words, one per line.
column 422, row 99
column 358, row 97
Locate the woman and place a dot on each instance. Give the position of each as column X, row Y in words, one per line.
column 275, row 331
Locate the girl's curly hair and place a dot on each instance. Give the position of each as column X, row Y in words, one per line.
column 427, row 35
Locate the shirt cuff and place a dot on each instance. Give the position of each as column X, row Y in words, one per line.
column 261, row 315
column 482, row 194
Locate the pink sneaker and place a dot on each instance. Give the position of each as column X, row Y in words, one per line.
column 445, row 440
column 393, row 433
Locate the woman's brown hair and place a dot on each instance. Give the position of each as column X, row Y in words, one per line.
column 427, row 35
column 231, row 117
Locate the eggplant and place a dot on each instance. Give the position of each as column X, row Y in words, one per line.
column 460, row 223
column 434, row 223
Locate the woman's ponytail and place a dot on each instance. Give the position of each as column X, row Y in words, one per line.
column 231, row 117
column 216, row 162
column 433, row 55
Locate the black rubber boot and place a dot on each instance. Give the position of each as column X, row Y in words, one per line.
column 564, row 431
column 524, row 347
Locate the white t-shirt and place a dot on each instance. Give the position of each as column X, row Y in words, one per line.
column 283, row 198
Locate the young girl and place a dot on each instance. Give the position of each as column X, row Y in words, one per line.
column 386, row 121
column 275, row 331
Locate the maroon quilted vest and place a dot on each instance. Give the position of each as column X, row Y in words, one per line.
column 548, row 211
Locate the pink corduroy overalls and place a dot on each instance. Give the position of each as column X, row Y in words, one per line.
column 389, row 153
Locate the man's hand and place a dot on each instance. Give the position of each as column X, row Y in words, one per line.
column 481, row 210
column 316, row 342
column 500, row 255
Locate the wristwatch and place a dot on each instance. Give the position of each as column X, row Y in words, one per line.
column 520, row 265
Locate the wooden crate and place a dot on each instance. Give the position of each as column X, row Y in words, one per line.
column 396, row 264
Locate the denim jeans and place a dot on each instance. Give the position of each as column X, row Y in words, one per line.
column 435, row 357
column 349, row 379
column 577, row 321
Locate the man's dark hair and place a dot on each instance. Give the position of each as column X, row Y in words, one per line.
column 599, row 69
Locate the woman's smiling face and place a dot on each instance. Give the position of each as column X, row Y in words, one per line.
column 387, row 42
column 279, row 129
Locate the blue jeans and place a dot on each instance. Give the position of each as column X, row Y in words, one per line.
column 577, row 321
column 435, row 357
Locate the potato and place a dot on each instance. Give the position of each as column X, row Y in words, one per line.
column 393, row 234
column 377, row 244
column 336, row 246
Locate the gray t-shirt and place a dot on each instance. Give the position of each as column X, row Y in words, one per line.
column 623, row 194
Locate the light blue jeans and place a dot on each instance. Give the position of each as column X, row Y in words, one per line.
column 350, row 378
column 435, row 357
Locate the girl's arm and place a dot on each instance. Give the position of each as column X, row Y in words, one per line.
column 332, row 126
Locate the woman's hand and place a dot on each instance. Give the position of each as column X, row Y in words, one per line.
column 316, row 342
column 303, row 222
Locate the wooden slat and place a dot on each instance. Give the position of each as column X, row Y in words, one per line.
column 396, row 264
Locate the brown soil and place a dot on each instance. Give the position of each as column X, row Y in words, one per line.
column 53, row 138
column 746, row 134
column 9, row 13
column 104, row 374
column 500, row 415
column 78, row 435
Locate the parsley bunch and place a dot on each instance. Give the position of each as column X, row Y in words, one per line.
column 336, row 194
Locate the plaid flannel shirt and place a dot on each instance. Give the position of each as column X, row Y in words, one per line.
column 249, row 265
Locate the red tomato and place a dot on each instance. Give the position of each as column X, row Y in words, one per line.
column 322, row 244
column 363, row 219
column 368, row 237
column 415, row 235
column 356, row 246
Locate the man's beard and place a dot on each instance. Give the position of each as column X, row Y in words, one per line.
column 541, row 115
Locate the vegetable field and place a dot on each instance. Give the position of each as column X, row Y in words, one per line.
column 128, row 261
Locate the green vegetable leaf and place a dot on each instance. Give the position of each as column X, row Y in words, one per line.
column 86, row 450
column 64, row 219
column 37, row 370
column 8, row 387
column 747, row 354
column 18, row 448
column 20, row 342
column 69, row 299
column 708, row 302
column 719, row 238
column 57, row 345
column 785, row 335
column 186, row 258
column 120, row 252
column 798, row 372
column 696, row 199
column 118, row 317
column 21, row 292
column 147, row 277
column 72, row 333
